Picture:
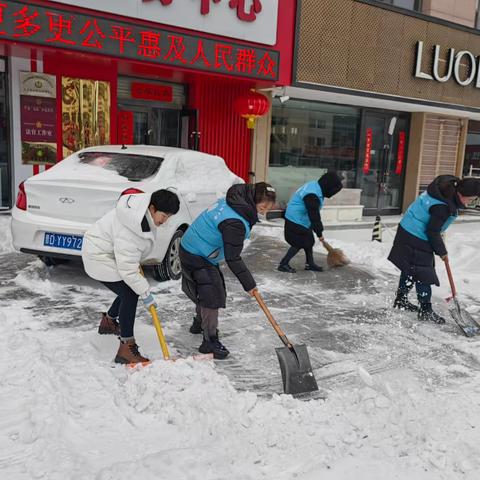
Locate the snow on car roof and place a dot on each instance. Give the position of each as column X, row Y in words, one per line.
column 152, row 150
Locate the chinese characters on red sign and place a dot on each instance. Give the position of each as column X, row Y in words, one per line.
column 149, row 91
column 38, row 129
column 368, row 152
column 241, row 6
column 41, row 25
column 400, row 153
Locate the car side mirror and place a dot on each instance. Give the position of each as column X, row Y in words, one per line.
column 191, row 197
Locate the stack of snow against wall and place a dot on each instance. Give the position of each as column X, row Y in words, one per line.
column 343, row 207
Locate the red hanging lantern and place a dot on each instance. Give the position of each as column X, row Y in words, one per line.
column 252, row 106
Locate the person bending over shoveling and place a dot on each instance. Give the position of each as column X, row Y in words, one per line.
column 302, row 218
column 112, row 252
column 217, row 234
column 419, row 239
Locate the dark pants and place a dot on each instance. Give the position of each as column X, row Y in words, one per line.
column 424, row 291
column 292, row 251
column 124, row 307
column 209, row 317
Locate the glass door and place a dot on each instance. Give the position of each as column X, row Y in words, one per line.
column 154, row 126
column 5, row 166
column 383, row 155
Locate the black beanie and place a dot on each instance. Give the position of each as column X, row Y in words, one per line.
column 331, row 184
column 469, row 187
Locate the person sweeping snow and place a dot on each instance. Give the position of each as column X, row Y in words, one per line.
column 419, row 239
column 302, row 218
column 217, row 234
column 112, row 252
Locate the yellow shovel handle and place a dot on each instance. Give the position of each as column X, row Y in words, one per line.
column 160, row 335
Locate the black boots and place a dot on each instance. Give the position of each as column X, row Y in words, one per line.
column 402, row 303
column 196, row 326
column 313, row 267
column 426, row 314
column 285, row 267
column 213, row 345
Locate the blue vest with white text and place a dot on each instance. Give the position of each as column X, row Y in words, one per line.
column 417, row 216
column 203, row 238
column 296, row 210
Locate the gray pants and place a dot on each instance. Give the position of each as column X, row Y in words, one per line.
column 209, row 318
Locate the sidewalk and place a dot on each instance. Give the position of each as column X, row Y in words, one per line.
column 368, row 222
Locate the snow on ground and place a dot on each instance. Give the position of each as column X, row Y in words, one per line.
column 409, row 409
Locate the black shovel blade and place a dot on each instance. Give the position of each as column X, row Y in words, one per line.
column 297, row 373
column 464, row 320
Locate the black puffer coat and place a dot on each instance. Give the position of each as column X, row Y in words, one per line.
column 297, row 235
column 416, row 257
column 202, row 281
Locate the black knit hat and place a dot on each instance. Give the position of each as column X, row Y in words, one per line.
column 469, row 187
column 331, row 184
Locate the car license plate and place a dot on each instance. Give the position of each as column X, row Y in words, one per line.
column 61, row 240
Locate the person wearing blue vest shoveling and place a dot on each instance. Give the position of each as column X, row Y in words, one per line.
column 218, row 234
column 302, row 218
column 419, row 239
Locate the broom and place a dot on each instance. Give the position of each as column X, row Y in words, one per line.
column 335, row 257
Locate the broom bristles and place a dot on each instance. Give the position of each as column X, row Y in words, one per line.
column 336, row 258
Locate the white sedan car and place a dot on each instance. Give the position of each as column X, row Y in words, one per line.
column 56, row 207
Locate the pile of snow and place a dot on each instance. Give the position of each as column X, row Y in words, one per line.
column 68, row 413
column 5, row 234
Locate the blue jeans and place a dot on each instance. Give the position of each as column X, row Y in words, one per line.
column 424, row 291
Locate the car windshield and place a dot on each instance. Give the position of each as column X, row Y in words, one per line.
column 134, row 167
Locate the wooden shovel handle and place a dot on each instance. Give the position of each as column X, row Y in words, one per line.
column 450, row 278
column 275, row 325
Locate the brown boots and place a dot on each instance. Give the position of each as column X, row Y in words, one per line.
column 108, row 326
column 128, row 353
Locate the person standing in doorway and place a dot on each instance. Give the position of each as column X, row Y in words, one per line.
column 419, row 239
column 302, row 219
column 218, row 234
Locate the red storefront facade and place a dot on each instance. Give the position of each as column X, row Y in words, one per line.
column 131, row 77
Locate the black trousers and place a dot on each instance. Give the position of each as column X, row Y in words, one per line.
column 424, row 291
column 292, row 251
column 124, row 306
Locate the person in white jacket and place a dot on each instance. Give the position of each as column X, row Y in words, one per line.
column 112, row 252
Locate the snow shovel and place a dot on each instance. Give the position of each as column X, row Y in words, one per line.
column 463, row 319
column 335, row 257
column 294, row 362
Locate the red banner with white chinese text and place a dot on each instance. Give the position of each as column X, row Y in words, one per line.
column 400, row 152
column 368, row 151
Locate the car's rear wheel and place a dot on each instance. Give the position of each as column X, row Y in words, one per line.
column 170, row 268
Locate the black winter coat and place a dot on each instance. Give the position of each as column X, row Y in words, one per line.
column 416, row 257
column 202, row 281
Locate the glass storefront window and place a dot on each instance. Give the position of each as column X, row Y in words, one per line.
column 471, row 165
column 308, row 139
column 5, row 171
column 415, row 5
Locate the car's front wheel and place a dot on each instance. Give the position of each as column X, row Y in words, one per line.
column 170, row 268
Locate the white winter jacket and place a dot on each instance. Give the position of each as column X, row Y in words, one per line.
column 115, row 246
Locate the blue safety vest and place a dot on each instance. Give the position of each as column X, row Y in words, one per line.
column 417, row 216
column 203, row 238
column 296, row 210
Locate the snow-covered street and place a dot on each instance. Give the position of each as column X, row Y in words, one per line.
column 398, row 399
